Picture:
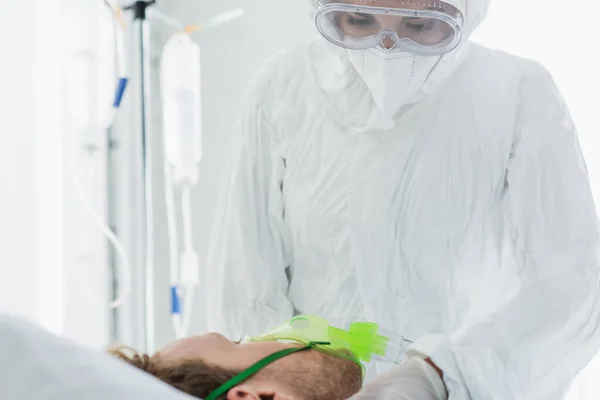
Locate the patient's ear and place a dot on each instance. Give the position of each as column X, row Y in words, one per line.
column 247, row 392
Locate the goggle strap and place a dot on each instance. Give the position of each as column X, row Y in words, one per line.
column 256, row 367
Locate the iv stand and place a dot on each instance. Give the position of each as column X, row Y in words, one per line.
column 142, row 61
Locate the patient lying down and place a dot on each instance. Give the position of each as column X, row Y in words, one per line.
column 199, row 365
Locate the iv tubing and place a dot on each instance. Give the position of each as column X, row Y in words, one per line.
column 76, row 180
column 102, row 225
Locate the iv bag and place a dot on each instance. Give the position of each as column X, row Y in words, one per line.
column 180, row 91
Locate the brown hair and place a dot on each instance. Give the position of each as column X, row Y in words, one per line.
column 320, row 377
column 195, row 378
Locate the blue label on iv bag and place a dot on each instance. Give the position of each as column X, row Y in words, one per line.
column 175, row 301
column 121, row 86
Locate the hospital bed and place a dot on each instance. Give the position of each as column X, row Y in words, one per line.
column 37, row 365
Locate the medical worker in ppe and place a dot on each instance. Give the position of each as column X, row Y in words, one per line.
column 390, row 170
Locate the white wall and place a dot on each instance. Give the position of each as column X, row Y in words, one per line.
column 18, row 292
column 542, row 31
column 31, row 283
column 43, row 229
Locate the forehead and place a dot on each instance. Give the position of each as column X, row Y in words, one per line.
column 216, row 349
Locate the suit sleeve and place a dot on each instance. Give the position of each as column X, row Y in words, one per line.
column 534, row 346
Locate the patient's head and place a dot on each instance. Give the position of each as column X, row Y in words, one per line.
column 199, row 365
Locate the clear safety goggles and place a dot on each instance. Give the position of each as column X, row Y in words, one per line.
column 420, row 27
column 362, row 342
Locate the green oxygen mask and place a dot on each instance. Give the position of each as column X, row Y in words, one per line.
column 361, row 343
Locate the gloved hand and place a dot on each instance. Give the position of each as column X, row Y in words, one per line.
column 414, row 379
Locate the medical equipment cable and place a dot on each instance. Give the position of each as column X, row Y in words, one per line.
column 113, row 168
column 173, row 254
column 190, row 274
column 187, row 214
column 101, row 224
column 184, row 271
column 97, row 219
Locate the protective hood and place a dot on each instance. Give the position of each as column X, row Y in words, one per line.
column 476, row 11
column 346, row 91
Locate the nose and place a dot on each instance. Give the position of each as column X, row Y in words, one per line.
column 388, row 43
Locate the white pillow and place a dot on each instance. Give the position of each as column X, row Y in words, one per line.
column 37, row 365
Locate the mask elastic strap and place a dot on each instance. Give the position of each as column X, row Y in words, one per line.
column 247, row 373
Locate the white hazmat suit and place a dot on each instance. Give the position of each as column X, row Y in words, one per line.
column 465, row 223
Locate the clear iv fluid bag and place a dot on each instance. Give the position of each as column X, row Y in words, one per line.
column 90, row 69
column 180, row 91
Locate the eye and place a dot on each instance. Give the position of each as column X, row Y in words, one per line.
column 359, row 20
column 421, row 25
column 243, row 340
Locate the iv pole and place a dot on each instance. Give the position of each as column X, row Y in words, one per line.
column 142, row 61
column 142, row 44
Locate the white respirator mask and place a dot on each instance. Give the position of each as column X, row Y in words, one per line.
column 392, row 78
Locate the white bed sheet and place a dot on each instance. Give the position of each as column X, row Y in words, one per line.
column 38, row 365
